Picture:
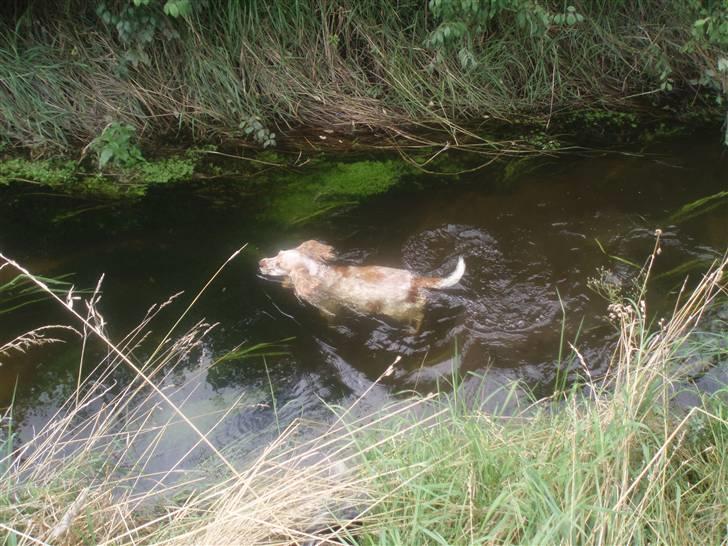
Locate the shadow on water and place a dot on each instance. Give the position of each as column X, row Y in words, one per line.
column 530, row 245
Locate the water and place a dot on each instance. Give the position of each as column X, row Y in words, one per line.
column 529, row 242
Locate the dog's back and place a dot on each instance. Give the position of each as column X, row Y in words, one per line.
column 397, row 293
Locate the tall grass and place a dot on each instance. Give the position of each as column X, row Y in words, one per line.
column 342, row 66
column 609, row 462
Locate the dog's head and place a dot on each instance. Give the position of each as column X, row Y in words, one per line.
column 286, row 261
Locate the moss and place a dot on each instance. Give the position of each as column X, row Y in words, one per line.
column 47, row 172
column 330, row 186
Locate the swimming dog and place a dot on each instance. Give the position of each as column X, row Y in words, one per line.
column 371, row 290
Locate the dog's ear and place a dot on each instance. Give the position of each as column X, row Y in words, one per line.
column 317, row 250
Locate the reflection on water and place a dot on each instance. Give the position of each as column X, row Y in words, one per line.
column 530, row 246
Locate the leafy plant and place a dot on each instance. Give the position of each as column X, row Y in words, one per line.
column 164, row 171
column 252, row 127
column 137, row 25
column 569, row 17
column 117, row 145
column 40, row 171
column 712, row 26
column 710, row 31
column 462, row 22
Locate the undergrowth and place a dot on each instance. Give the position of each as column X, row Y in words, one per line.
column 256, row 70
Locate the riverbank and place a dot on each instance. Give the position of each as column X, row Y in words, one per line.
column 256, row 74
column 607, row 460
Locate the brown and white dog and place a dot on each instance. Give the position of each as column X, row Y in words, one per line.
column 396, row 293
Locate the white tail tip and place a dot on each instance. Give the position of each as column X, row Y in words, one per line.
column 455, row 276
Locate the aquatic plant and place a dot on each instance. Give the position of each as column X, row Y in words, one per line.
column 123, row 175
column 325, row 187
column 41, row 171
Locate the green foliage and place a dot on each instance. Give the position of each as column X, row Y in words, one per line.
column 129, row 178
column 42, row 171
column 710, row 31
column 611, row 124
column 712, row 26
column 164, row 171
column 116, row 145
column 176, row 8
column 570, row 17
column 550, row 478
column 138, row 23
column 214, row 72
column 252, row 127
column 611, row 458
column 307, row 195
column 465, row 22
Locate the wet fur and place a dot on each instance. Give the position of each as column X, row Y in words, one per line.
column 372, row 290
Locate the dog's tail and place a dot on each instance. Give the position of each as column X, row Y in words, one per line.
column 454, row 277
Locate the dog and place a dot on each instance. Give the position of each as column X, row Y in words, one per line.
column 370, row 290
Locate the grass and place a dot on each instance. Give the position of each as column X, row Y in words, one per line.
column 343, row 69
column 610, row 461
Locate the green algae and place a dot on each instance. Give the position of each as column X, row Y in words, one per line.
column 301, row 197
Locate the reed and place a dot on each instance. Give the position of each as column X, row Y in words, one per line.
column 348, row 67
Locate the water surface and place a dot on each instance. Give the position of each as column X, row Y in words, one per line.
column 530, row 242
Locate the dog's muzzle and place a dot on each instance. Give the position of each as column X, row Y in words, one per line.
column 267, row 268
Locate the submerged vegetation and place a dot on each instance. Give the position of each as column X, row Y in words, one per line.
column 259, row 71
column 325, row 187
column 609, row 461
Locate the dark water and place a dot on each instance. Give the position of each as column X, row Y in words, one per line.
column 529, row 242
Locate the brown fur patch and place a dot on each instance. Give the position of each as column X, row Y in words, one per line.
column 426, row 282
column 317, row 250
column 414, row 292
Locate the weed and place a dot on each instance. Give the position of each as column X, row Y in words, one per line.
column 41, row 171
column 130, row 175
column 346, row 67
column 116, row 145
